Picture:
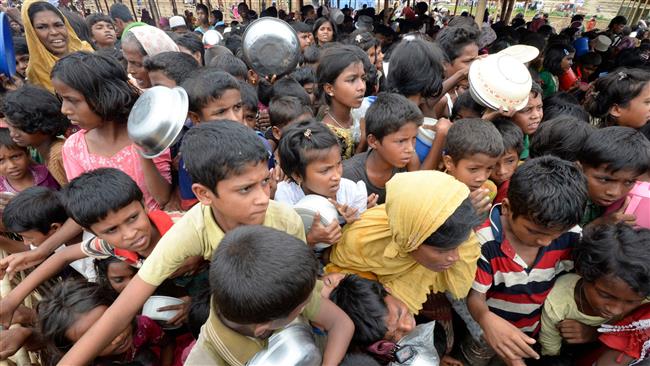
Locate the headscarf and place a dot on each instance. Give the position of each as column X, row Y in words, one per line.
column 417, row 204
column 41, row 61
column 153, row 40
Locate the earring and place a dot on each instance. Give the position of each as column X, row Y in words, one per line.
column 331, row 94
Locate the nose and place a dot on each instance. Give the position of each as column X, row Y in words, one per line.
column 453, row 256
column 129, row 234
column 262, row 196
column 615, row 308
column 614, row 190
column 501, row 169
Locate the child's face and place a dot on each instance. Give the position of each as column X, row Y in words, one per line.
column 250, row 117
column 435, row 259
column 21, row 64
column 526, row 232
column 24, row 139
column 398, row 147
column 606, row 187
column 472, row 170
column 119, row 275
column 34, row 237
column 637, row 112
column 611, row 297
column 467, row 55
column 158, row 78
column 350, row 87
column 103, row 33
column 567, row 61
column 305, row 40
column 323, row 174
column 529, row 118
column 229, row 106
column 505, row 167
column 118, row 346
column 75, row 107
column 127, row 228
column 14, row 164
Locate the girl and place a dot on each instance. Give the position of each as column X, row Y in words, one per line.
column 311, row 157
column 97, row 97
column 342, row 86
column 35, row 120
column 558, row 59
column 621, row 98
column 367, row 42
column 49, row 37
column 324, row 31
column 141, row 41
column 102, row 30
column 113, row 274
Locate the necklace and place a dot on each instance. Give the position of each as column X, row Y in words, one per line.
column 335, row 121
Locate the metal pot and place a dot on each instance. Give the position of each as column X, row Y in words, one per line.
column 271, row 47
column 293, row 346
column 157, row 118
column 420, row 346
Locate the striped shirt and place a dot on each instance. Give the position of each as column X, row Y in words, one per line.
column 514, row 290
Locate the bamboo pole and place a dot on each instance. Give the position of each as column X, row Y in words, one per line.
column 480, row 10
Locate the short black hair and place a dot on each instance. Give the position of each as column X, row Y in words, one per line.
column 548, row 191
column 359, row 359
column 217, row 150
column 453, row 39
column 7, row 142
column 311, row 55
column 20, row 46
column 93, row 19
column 618, row 148
column 513, row 137
column 288, row 86
column 389, row 113
column 306, row 9
column 553, row 111
column 303, row 142
column 259, row 274
column 248, row 95
column 86, row 207
column 283, row 110
column 231, row 65
column 301, row 27
column 199, row 312
column 304, row 75
column 465, row 101
column 120, row 11
column 32, row 109
column 190, row 41
column 590, row 59
column 615, row 250
column 416, row 68
column 553, row 56
column 207, row 84
column 203, row 7
column 364, row 302
column 456, row 229
column 536, row 90
column 561, row 136
column 35, row 208
column 469, row 136
column 177, row 66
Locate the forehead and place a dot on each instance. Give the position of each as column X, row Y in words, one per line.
column 327, row 156
column 252, row 172
column 228, row 98
column 102, row 23
column 523, row 222
column 616, row 287
column 603, row 169
column 44, row 16
column 478, row 159
column 118, row 216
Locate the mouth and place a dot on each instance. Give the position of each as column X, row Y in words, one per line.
column 605, row 202
column 14, row 174
column 139, row 244
column 58, row 43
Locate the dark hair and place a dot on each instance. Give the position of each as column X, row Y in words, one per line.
column 470, row 136
column 7, row 142
column 259, row 274
column 20, row 46
column 363, row 301
column 93, row 19
column 207, row 84
column 101, row 80
column 283, row 110
column 114, row 54
column 536, row 90
column 359, row 359
column 306, row 9
column 35, row 208
column 319, row 22
column 591, row 59
column 513, row 137
column 217, row 14
column 465, row 101
column 120, row 11
column 453, row 39
column 304, row 75
column 561, row 136
column 362, row 39
column 40, row 6
column 202, row 7
column 287, row 86
column 248, row 95
column 79, row 26
column 615, row 250
column 311, row 55
column 216, row 151
column 553, row 56
column 416, row 68
column 301, row 27
column 619, row 19
column 32, row 109
column 333, row 61
column 619, row 88
column 617, row 147
column 191, row 41
column 86, row 207
column 230, row 64
column 575, row 111
column 175, row 65
column 456, row 229
column 199, row 312
column 101, row 268
column 548, row 191
column 302, row 143
column 389, row 113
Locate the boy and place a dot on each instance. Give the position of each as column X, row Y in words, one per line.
column 231, row 65
column 526, row 245
column 170, row 69
column 284, row 111
column 472, row 149
column 306, row 77
column 22, row 56
column 562, row 136
column 228, row 165
column 249, row 103
column 613, row 158
column 248, row 305
column 305, row 35
column 513, row 144
column 529, row 118
column 392, row 123
column 102, row 30
column 213, row 95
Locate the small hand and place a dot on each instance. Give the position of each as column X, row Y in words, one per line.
column 350, row 214
column 510, row 343
column 319, row 233
column 7, row 309
column 620, row 215
column 372, row 200
column 491, row 114
column 263, row 120
column 20, row 261
column 574, row 332
column 11, row 340
column 183, row 311
column 481, row 200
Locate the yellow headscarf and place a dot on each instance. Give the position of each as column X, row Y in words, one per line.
column 417, row 204
column 41, row 61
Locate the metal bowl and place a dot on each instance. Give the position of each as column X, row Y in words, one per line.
column 271, row 47
column 157, row 118
column 211, row 38
column 293, row 346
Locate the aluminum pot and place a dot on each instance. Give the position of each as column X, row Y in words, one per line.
column 271, row 47
column 293, row 346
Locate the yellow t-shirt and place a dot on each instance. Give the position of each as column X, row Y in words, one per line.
column 197, row 233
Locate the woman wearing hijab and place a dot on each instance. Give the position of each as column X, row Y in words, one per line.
column 49, row 37
column 419, row 242
column 140, row 41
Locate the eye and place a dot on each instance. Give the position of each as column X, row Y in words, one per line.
column 629, row 183
column 110, row 231
column 266, row 181
column 246, row 189
column 133, row 218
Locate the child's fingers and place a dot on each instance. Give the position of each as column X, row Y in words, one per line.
column 624, row 205
column 524, row 346
column 171, row 307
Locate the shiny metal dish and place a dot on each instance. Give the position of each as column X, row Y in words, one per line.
column 423, row 350
column 211, row 38
column 271, row 47
column 293, row 346
column 157, row 118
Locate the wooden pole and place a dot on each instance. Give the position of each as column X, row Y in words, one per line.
column 511, row 5
column 107, row 7
column 480, row 11
column 456, row 7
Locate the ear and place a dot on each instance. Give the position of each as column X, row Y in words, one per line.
column 54, row 228
column 373, row 141
column 615, row 111
column 296, row 178
column 260, row 329
column 277, row 133
column 449, row 163
column 196, row 119
column 328, row 88
column 253, row 78
column 505, row 207
column 203, row 194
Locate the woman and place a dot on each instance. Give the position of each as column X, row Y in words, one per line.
column 419, row 242
column 49, row 37
column 139, row 42
column 324, row 31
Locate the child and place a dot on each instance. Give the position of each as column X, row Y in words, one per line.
column 35, row 120
column 228, row 165
column 558, row 59
column 213, row 95
column 306, row 77
column 563, row 136
column 248, row 305
column 472, row 149
column 249, row 103
column 613, row 158
column 526, row 245
column 230, row 65
column 466, row 107
column 529, row 118
column 310, row 157
column 102, row 30
column 113, row 274
column 284, row 111
column 17, row 171
column 392, row 123
column 170, row 69
column 304, row 34
column 504, row 169
column 22, row 56
column 620, row 99
column 613, row 266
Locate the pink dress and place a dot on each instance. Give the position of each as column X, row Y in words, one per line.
column 78, row 160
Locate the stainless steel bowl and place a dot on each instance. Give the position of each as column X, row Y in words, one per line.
column 157, row 118
column 423, row 349
column 211, row 38
column 271, row 47
column 293, row 346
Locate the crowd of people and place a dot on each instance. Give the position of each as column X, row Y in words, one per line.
column 519, row 237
